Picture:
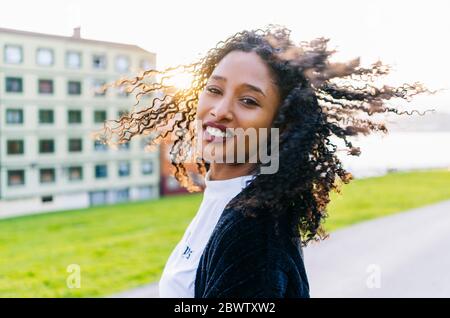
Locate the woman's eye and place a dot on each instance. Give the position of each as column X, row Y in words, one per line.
column 213, row 90
column 249, row 101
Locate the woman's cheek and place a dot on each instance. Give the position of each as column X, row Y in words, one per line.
column 201, row 109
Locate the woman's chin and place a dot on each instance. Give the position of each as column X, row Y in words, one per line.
column 218, row 153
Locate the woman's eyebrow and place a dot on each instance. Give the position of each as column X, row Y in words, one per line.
column 250, row 86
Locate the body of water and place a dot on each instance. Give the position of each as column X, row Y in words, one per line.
column 398, row 151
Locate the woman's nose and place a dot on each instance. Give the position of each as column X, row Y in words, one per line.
column 222, row 110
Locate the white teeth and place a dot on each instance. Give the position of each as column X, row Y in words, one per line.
column 218, row 133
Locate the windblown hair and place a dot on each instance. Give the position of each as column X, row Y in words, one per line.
column 320, row 99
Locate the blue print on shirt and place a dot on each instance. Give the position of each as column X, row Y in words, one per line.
column 187, row 252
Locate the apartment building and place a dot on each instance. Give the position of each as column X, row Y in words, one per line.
column 49, row 106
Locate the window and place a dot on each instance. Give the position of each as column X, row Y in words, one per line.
column 46, row 116
column 47, row 175
column 122, row 64
column 122, row 112
column 45, row 86
column 124, row 146
column 147, row 167
column 75, row 173
column 47, row 199
column 73, row 59
column 74, row 88
column 44, row 57
column 99, row 116
column 146, row 141
column 16, row 177
column 99, row 62
column 74, row 116
column 145, row 64
column 124, row 169
column 15, row 147
column 75, row 145
column 98, row 84
column 172, row 183
column 14, row 85
column 13, row 54
column 14, row 116
column 122, row 92
column 101, row 171
column 147, row 192
column 46, row 146
column 98, row 197
column 122, row 195
column 99, row 146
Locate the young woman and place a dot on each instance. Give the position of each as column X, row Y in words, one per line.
column 247, row 236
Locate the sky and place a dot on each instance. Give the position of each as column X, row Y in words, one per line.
column 412, row 36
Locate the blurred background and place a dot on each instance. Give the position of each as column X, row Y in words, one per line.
column 78, row 219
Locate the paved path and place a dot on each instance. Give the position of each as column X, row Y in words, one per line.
column 402, row 255
column 408, row 254
column 147, row 291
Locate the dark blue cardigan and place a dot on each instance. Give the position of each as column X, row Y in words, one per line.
column 244, row 258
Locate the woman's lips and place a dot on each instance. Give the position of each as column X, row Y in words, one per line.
column 213, row 139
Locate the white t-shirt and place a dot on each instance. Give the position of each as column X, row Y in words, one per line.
column 178, row 277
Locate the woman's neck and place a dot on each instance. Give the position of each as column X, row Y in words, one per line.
column 223, row 171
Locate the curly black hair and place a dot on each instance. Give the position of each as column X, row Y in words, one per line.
column 319, row 99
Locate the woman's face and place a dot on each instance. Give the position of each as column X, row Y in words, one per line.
column 240, row 93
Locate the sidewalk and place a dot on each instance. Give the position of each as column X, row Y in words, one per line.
column 402, row 255
column 147, row 291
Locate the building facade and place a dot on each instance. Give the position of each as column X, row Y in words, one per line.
column 49, row 106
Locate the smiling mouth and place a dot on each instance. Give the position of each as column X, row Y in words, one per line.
column 216, row 132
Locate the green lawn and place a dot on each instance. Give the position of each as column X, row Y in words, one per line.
column 125, row 246
column 370, row 198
